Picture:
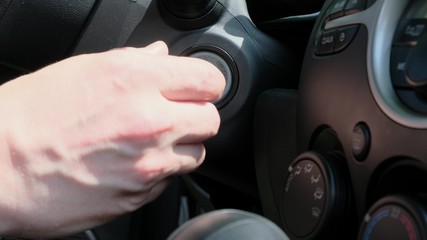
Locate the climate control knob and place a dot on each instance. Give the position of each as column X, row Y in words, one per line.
column 395, row 217
column 315, row 196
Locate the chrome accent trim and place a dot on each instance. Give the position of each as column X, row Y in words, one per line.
column 381, row 20
column 297, row 18
column 293, row 19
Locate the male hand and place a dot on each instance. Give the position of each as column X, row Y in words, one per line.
column 96, row 136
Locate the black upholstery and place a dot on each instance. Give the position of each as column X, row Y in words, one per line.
column 4, row 4
column 34, row 33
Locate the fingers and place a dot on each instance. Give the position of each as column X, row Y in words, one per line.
column 155, row 192
column 194, row 122
column 190, row 157
column 140, row 198
column 155, row 48
column 177, row 78
column 176, row 159
column 159, row 48
column 198, row 79
column 191, row 79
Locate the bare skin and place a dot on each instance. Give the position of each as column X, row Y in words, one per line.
column 95, row 136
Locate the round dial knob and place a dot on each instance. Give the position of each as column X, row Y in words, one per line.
column 416, row 71
column 395, row 217
column 315, row 196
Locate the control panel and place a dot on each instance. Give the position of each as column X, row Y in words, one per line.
column 337, row 39
column 360, row 168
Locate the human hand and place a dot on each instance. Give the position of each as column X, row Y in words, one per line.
column 95, row 136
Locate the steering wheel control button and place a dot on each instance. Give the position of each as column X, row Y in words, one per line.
column 395, row 217
column 335, row 40
column 344, row 37
column 398, row 63
column 354, row 6
column 337, row 9
column 313, row 195
column 360, row 141
column 326, row 43
column 340, row 8
column 412, row 32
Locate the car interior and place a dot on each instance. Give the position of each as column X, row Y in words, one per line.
column 323, row 118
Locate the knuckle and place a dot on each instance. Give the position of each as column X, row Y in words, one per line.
column 214, row 118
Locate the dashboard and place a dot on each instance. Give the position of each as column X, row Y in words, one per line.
column 360, row 169
column 323, row 121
